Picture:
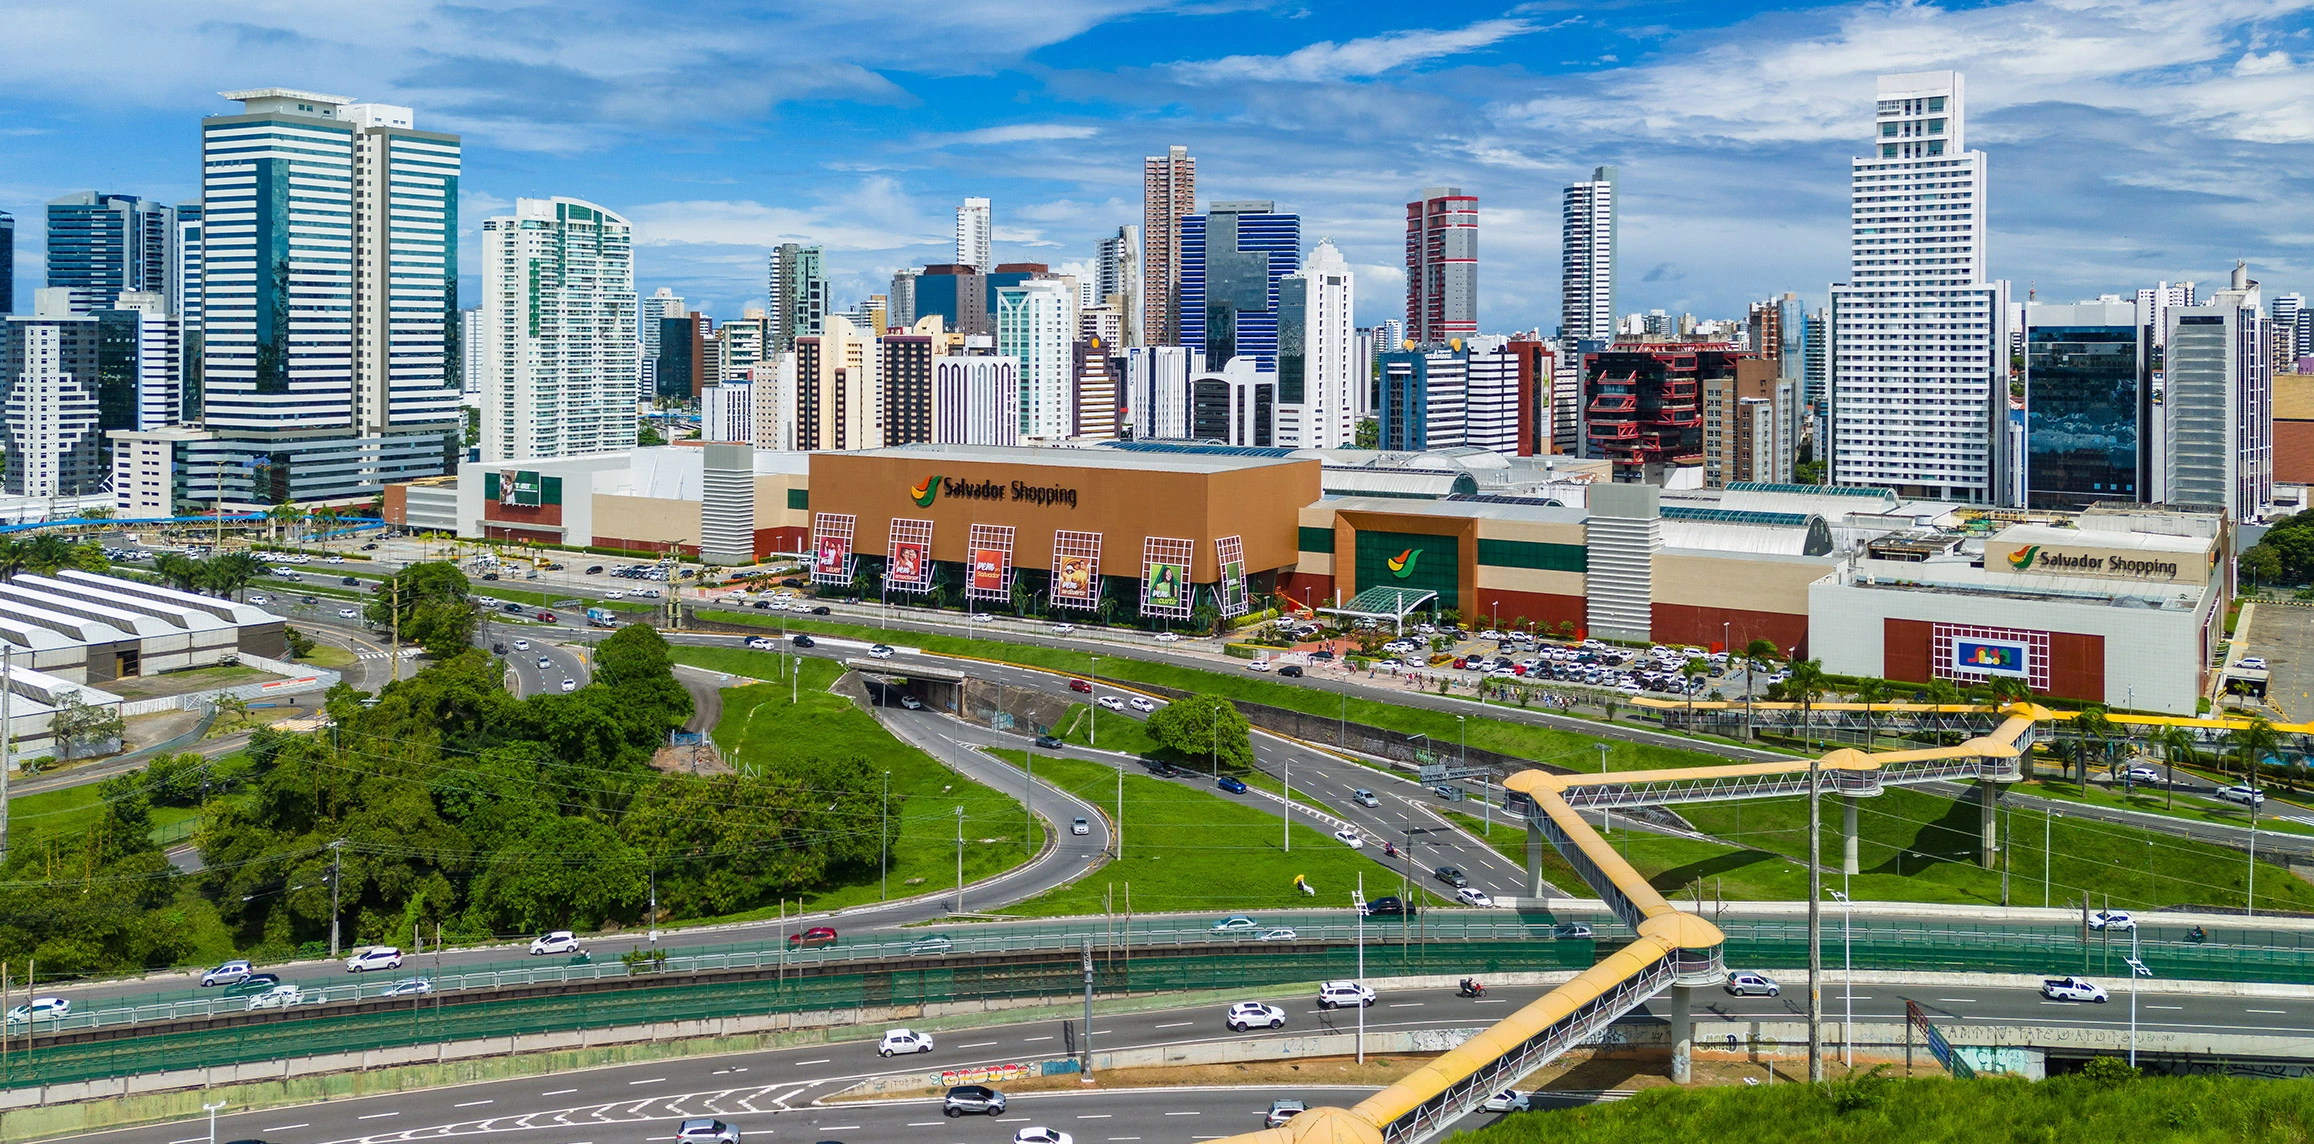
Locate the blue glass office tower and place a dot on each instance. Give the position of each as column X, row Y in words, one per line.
column 1232, row 259
column 2085, row 405
column 102, row 244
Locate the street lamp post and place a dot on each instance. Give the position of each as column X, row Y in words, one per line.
column 2137, row 969
column 1847, row 979
column 1094, row 735
column 960, row 860
column 1606, row 816
column 211, row 1109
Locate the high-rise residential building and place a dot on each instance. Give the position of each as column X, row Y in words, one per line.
column 1587, row 258
column 798, row 293
column 959, row 295
column 903, row 297
column 1920, row 344
column 975, row 400
column 837, row 389
column 740, row 345
column 329, row 292
column 473, row 355
column 772, row 387
column 2283, row 316
column 663, row 303
column 1168, row 195
column 1033, row 326
column 558, row 305
column 727, row 411
column 1157, row 390
column 184, row 304
column 2156, row 301
column 1095, row 403
column 1232, row 258
column 7, row 263
column 1643, row 405
column 138, row 343
column 1116, row 282
column 1318, row 380
column 906, row 374
column 1235, row 405
column 681, row 368
column 975, row 236
column 1778, row 333
column 1425, row 399
column 2088, row 400
column 2218, row 403
column 49, row 396
column 1442, row 265
column 1748, row 423
column 1538, row 395
column 101, row 244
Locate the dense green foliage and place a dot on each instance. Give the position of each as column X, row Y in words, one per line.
column 431, row 601
column 1204, row 728
column 2106, row 1104
column 2285, row 555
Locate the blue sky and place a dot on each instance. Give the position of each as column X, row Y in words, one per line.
column 2129, row 141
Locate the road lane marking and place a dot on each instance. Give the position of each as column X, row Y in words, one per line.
column 1405, row 1005
column 472, row 1104
column 1093, row 1116
column 1177, row 1025
column 2273, row 1011
column 924, row 1123
column 653, row 1080
column 559, row 1092
column 2165, row 1007
column 287, row 1127
column 1958, row 1000
column 821, row 1061
column 1180, row 1114
column 841, row 1128
column 377, row 1116
column 977, row 1045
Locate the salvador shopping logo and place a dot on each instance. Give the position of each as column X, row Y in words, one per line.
column 935, row 485
column 1402, row 565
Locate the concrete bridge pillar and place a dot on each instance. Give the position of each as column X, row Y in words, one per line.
column 1682, row 1036
column 1988, row 839
column 1848, row 860
column 1535, row 847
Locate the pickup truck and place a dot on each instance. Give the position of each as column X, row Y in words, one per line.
column 2072, row 989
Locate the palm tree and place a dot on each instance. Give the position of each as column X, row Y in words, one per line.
column 1691, row 669
column 180, row 571
column 2177, row 746
column 2092, row 724
column 1869, row 692
column 227, row 575
column 1806, row 684
column 2255, row 742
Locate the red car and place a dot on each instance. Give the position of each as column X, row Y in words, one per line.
column 1080, row 685
column 812, row 938
column 546, row 617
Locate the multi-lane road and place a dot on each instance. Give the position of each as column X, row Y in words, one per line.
column 778, row 1092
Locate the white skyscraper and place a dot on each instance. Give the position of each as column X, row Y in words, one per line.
column 1920, row 341
column 975, row 236
column 2218, row 431
column 1587, row 258
column 1035, row 325
column 975, row 400
column 1317, row 354
column 558, row 300
column 1117, row 279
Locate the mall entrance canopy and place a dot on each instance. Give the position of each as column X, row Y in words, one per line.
column 1392, row 604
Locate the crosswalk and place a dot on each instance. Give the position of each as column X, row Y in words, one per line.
column 407, row 653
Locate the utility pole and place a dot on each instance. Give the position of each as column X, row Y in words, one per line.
column 884, row 843
column 396, row 615
column 1120, row 812
column 211, row 1109
column 960, row 860
column 7, row 738
column 1027, row 800
column 1093, row 736
column 336, row 868
column 1360, row 904
column 1085, row 1065
column 1815, row 924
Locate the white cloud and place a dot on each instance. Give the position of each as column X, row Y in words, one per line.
column 1016, row 133
column 1351, row 59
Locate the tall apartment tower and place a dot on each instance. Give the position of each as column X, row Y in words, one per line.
column 102, row 244
column 1231, row 260
column 902, row 299
column 1168, row 195
column 1117, row 281
column 558, row 302
column 2155, row 302
column 2218, row 407
column 328, row 328
column 1587, row 259
column 1318, row 378
column 798, row 293
column 7, row 263
column 975, row 236
column 1919, row 337
column 184, row 304
column 1442, row 265
column 1035, row 325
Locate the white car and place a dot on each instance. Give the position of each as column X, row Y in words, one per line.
column 2241, row 793
column 614, row 594
column 1364, row 797
column 1111, row 702
column 409, row 987
column 1349, row 838
column 383, row 957
column 337, row 559
column 278, row 997
column 544, row 663
column 2251, row 663
column 1236, row 923
column 230, row 973
column 1246, row 1014
column 2142, row 775
column 1258, row 665
column 569, row 684
column 760, row 643
column 41, row 1009
column 1752, row 985
column 256, row 599
column 2072, row 989
column 1473, row 896
column 2116, row 920
column 348, row 614
column 880, row 651
column 522, row 645
column 798, row 607
column 1042, row 1136
column 984, row 617
column 1282, row 933
column 1080, row 827
column 1064, row 629
column 560, row 941
column 1141, row 703
column 1335, row 994
column 911, row 703
column 1508, row 1100
column 904, row 1041
column 1168, row 637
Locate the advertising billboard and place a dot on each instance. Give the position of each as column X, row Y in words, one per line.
column 988, row 570
column 910, row 563
column 1167, row 585
column 1979, row 656
column 828, row 557
column 1077, row 580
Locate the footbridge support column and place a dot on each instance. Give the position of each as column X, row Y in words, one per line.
column 1988, row 840
column 1535, row 847
column 1682, row 1036
column 1848, row 862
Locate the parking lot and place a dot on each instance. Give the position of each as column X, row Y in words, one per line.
column 1466, row 658
column 2284, row 637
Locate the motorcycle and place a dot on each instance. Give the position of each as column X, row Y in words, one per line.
column 1389, row 850
column 2197, row 935
column 1470, row 988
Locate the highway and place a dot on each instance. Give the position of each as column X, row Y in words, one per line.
column 774, row 1091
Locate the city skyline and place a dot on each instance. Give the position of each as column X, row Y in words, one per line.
column 2183, row 118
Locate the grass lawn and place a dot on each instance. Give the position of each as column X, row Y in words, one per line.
column 66, row 816
column 1116, row 730
column 1189, row 850
column 330, row 656
column 760, row 728
column 181, row 682
column 2192, row 808
column 1542, row 744
column 766, row 666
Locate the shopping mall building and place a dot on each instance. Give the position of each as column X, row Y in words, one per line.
column 2070, row 603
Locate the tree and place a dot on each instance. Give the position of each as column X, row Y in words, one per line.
column 1693, row 669
column 1764, row 651
column 1806, row 685
column 1204, row 726
column 2092, row 724
column 228, row 574
column 430, row 601
column 1869, row 692
column 2254, row 741
column 636, row 668
column 300, row 644
column 2261, row 565
column 79, row 723
column 1368, row 435
column 178, row 571
column 2177, row 746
